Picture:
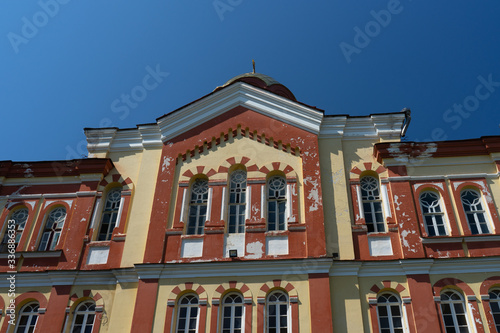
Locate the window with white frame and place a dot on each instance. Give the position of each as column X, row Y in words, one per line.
column 232, row 314
column 198, row 207
column 53, row 228
column 475, row 212
column 276, row 203
column 237, row 201
column 277, row 313
column 20, row 216
column 110, row 214
column 433, row 214
column 453, row 311
column 372, row 204
column 28, row 316
column 389, row 313
column 83, row 318
column 187, row 314
column 495, row 307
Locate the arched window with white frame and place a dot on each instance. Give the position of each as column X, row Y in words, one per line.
column 454, row 312
column 28, row 317
column 187, row 314
column 232, row 313
column 276, row 203
column 372, row 204
column 389, row 312
column 53, row 229
column 110, row 213
column 433, row 214
column 237, row 201
column 277, row 313
column 495, row 307
column 474, row 211
column 83, row 318
column 20, row 216
column 198, row 207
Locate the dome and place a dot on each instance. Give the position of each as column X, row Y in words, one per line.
column 261, row 81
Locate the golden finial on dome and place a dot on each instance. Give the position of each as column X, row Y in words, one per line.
column 253, row 64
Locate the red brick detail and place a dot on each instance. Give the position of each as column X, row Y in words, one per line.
column 97, row 297
column 244, row 160
column 86, row 293
column 287, row 169
column 264, row 288
column 277, row 283
column 253, row 167
column 74, row 297
column 232, row 284
column 244, row 288
column 386, row 283
column 189, row 285
column 222, row 169
column 127, row 181
column 276, row 165
column 200, row 169
column 356, row 171
column 231, row 161
column 426, row 316
column 321, row 309
column 116, row 178
column 188, row 173
column 145, row 304
column 368, row 165
column 200, row 290
column 168, row 318
column 289, row 287
column 490, row 282
column 400, row 288
column 380, row 169
column 264, row 170
column 260, row 317
column 104, row 183
column 397, row 171
column 220, row 289
column 375, row 289
column 213, row 321
column 176, row 290
column 211, row 173
column 56, row 310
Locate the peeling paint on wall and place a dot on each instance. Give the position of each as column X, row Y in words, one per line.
column 255, row 250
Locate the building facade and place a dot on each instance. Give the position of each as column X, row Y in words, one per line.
column 249, row 211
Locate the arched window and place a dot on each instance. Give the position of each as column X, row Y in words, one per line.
column 28, row 317
column 433, row 214
column 476, row 215
column 237, row 200
column 372, row 204
column 83, row 318
column 187, row 314
column 53, row 228
column 277, row 313
column 453, row 311
column 389, row 314
column 232, row 314
column 198, row 207
column 20, row 216
column 276, row 203
column 110, row 214
column 495, row 307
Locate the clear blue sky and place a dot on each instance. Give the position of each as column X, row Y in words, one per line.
column 66, row 67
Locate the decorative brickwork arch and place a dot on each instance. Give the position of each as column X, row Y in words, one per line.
column 187, row 286
column 274, row 166
column 277, row 284
column 115, row 178
column 453, row 284
column 227, row 164
column 24, row 299
column 75, row 299
column 488, row 284
column 232, row 285
column 361, row 168
column 199, row 170
column 385, row 285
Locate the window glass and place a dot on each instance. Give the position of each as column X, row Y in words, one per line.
column 198, row 207
column 433, row 214
column 20, row 216
column 187, row 314
column 53, row 228
column 495, row 307
column 389, row 314
column 237, row 200
column 277, row 313
column 28, row 317
column 453, row 312
column 276, row 203
column 83, row 318
column 232, row 314
column 110, row 214
column 372, row 204
column 473, row 207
